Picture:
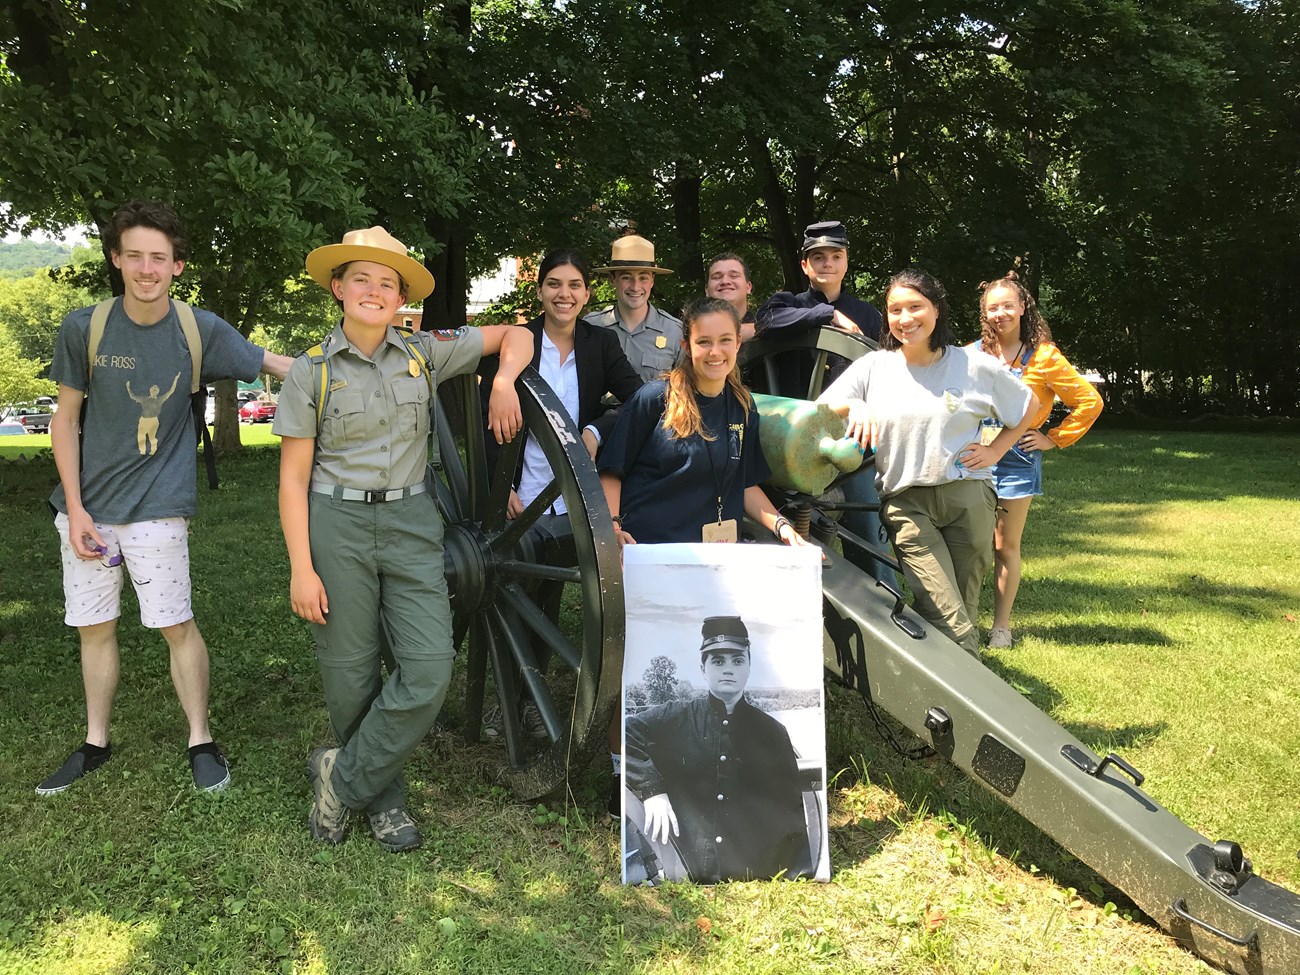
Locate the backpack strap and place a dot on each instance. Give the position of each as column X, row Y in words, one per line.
column 416, row 352
column 98, row 319
column 198, row 391
column 190, row 328
column 321, row 374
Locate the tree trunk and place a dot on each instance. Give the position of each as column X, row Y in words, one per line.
column 221, row 291
column 805, row 183
column 778, row 213
column 686, row 213
column 446, row 307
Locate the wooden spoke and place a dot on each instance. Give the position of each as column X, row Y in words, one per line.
column 502, row 574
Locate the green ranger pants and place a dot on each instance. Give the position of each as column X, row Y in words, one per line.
column 944, row 537
column 381, row 565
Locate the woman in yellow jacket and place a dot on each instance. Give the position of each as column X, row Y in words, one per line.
column 1015, row 332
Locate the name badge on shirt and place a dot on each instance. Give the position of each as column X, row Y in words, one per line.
column 719, row 531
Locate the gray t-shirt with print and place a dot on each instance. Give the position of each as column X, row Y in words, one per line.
column 138, row 457
column 926, row 415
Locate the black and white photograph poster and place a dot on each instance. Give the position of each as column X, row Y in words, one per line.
column 724, row 733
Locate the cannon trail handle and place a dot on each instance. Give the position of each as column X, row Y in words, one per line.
column 912, row 628
column 1082, row 760
column 1179, row 907
column 1113, row 759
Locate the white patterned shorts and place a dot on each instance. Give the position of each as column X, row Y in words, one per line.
column 157, row 556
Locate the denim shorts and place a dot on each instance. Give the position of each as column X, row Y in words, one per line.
column 1019, row 474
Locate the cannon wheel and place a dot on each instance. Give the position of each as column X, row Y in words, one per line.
column 758, row 356
column 494, row 567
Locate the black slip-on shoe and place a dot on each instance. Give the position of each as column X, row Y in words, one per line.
column 84, row 760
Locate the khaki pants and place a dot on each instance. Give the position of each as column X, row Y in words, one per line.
column 381, row 565
column 944, row 537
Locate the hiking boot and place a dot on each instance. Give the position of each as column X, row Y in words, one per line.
column 84, row 760
column 328, row 820
column 494, row 725
column 534, row 727
column 615, row 806
column 1000, row 638
column 395, row 831
column 209, row 768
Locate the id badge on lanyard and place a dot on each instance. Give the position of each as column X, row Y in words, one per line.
column 724, row 530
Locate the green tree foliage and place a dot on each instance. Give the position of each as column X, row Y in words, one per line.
column 20, row 377
column 272, row 127
column 1131, row 156
column 19, row 258
column 31, row 309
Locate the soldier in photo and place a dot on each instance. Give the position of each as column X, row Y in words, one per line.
column 717, row 777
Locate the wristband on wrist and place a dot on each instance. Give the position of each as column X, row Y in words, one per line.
column 781, row 520
column 617, row 520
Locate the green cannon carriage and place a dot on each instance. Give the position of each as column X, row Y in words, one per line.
column 1203, row 892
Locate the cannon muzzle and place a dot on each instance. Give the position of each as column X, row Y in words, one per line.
column 804, row 444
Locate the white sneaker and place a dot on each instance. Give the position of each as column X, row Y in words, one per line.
column 494, row 726
column 1000, row 638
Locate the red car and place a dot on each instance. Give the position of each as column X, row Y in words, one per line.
column 257, row 411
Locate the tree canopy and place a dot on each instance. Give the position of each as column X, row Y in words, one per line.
column 1139, row 160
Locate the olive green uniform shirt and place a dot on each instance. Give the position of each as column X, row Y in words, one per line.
column 375, row 431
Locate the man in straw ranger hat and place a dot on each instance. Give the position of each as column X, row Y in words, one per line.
column 363, row 533
column 650, row 338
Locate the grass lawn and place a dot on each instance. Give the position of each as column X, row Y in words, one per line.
column 1158, row 619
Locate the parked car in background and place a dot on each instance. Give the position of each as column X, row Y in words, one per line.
column 242, row 397
column 257, row 411
column 35, row 418
column 12, row 428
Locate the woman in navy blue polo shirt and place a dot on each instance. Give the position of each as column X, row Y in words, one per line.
column 684, row 462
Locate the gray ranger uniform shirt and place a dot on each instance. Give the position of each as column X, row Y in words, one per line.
column 375, row 432
column 137, row 449
column 652, row 347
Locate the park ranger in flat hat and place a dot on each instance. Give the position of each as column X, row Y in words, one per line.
column 649, row 337
column 363, row 533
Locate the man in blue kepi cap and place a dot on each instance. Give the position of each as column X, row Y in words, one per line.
column 827, row 304
column 825, row 262
column 717, row 776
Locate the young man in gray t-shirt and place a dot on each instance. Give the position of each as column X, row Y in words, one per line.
column 127, row 480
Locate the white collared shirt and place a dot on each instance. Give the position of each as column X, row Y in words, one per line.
column 563, row 379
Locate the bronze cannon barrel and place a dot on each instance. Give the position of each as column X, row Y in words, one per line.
column 804, row 444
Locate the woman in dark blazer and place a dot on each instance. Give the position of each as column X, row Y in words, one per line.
column 579, row 361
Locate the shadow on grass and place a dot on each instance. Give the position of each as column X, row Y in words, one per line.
column 1073, row 599
column 1080, row 635
column 934, row 786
